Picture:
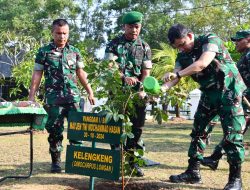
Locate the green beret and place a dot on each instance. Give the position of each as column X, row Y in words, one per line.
column 240, row 35
column 132, row 17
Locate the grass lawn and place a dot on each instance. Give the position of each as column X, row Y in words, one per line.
column 167, row 144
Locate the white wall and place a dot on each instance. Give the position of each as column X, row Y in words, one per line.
column 194, row 101
column 88, row 107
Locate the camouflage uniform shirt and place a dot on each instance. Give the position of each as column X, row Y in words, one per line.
column 131, row 56
column 244, row 69
column 59, row 66
column 221, row 74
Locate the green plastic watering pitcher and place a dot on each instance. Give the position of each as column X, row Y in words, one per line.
column 152, row 85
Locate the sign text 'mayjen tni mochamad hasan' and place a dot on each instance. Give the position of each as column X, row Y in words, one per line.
column 94, row 162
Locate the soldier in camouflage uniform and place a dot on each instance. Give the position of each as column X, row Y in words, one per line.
column 60, row 63
column 242, row 40
column 208, row 62
column 133, row 57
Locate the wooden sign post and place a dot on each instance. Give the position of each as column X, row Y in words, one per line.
column 92, row 161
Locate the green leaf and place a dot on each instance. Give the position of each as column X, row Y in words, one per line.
column 130, row 135
column 158, row 118
column 116, row 117
column 108, row 117
column 96, row 109
column 141, row 162
column 140, row 152
column 123, row 138
column 164, row 116
column 121, row 116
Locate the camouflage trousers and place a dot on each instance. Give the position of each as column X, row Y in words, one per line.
column 231, row 113
column 212, row 124
column 55, row 123
column 218, row 148
column 138, row 122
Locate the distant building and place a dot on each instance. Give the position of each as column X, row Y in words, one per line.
column 6, row 64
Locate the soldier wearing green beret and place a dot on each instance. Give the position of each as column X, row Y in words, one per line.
column 133, row 58
column 132, row 17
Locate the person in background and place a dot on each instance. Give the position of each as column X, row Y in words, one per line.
column 208, row 62
column 61, row 64
column 242, row 41
column 133, row 58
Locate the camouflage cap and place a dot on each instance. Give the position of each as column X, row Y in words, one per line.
column 240, row 35
column 132, row 17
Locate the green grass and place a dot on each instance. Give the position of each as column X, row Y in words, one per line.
column 167, row 144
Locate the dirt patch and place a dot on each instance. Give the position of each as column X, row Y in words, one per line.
column 178, row 119
column 136, row 184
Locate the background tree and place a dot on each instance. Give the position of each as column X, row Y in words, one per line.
column 34, row 17
column 219, row 16
column 164, row 60
column 20, row 52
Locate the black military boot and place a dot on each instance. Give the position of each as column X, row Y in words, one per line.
column 134, row 166
column 137, row 169
column 234, row 180
column 191, row 175
column 213, row 160
column 56, row 162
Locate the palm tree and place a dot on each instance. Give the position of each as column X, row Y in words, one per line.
column 164, row 61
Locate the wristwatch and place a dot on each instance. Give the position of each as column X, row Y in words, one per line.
column 178, row 75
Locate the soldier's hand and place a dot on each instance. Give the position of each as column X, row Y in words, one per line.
column 169, row 76
column 131, row 81
column 91, row 99
column 142, row 94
